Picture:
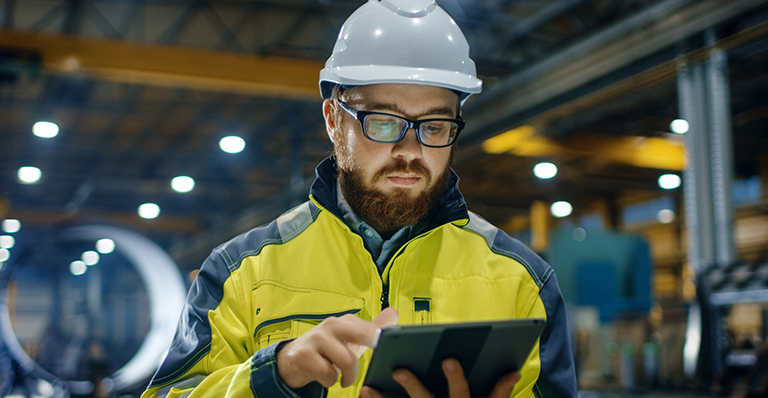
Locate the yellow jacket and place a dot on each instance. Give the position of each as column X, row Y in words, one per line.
column 277, row 281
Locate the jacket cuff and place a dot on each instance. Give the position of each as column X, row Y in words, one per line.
column 266, row 381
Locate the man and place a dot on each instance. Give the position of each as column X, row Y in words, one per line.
column 287, row 309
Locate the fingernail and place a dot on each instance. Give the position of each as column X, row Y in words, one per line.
column 400, row 376
column 450, row 366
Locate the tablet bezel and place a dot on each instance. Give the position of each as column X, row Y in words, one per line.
column 487, row 351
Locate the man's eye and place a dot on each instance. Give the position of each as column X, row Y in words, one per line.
column 383, row 128
column 434, row 128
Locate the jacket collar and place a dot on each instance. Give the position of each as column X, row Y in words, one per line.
column 451, row 206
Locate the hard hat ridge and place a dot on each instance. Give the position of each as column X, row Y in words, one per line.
column 401, row 41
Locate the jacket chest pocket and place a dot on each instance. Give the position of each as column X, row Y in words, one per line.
column 284, row 311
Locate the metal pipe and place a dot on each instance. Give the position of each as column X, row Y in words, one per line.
column 697, row 196
column 721, row 150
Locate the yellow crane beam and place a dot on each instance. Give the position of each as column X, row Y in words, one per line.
column 168, row 66
column 647, row 152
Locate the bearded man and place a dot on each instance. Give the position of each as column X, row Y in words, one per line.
column 288, row 309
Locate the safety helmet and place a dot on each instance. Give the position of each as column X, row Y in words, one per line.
column 401, row 41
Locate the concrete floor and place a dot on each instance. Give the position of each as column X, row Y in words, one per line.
column 646, row 394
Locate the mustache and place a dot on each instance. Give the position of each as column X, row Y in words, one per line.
column 402, row 167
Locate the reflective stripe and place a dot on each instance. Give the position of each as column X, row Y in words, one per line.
column 482, row 227
column 295, row 221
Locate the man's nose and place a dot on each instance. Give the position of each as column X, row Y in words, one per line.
column 409, row 147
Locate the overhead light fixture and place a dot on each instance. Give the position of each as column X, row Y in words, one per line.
column 149, row 211
column 182, row 184
column 11, row 225
column 105, row 246
column 77, row 268
column 45, row 129
column 669, row 181
column 90, row 258
column 7, row 241
column 561, row 209
column 232, row 144
column 679, row 126
column 29, row 174
column 4, row 255
column 665, row 216
column 545, row 170
column 579, row 234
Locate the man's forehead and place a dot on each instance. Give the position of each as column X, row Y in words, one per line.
column 404, row 96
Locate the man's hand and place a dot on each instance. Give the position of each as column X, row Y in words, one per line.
column 457, row 383
column 332, row 347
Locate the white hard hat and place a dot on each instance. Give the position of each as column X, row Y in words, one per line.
column 401, row 41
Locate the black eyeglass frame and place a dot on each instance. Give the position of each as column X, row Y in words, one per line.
column 409, row 124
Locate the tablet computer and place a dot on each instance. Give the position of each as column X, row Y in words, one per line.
column 486, row 350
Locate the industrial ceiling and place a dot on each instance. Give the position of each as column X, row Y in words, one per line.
column 143, row 90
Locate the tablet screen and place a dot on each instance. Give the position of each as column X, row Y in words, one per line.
column 486, row 350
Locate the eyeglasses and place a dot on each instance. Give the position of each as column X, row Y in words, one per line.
column 388, row 129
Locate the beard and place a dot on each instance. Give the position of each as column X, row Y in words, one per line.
column 389, row 212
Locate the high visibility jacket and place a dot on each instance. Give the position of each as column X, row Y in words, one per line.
column 277, row 281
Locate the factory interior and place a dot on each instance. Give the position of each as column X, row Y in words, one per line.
column 625, row 142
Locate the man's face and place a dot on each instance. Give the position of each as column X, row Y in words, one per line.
column 391, row 185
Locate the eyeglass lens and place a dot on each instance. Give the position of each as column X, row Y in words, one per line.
column 387, row 128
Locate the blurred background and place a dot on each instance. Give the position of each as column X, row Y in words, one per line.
column 624, row 141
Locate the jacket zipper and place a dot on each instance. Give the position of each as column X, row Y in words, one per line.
column 384, row 296
column 388, row 269
column 384, row 286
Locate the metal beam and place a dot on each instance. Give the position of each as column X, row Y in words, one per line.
column 533, row 22
column 9, row 8
column 656, row 153
column 73, row 17
column 46, row 217
column 506, row 103
column 170, row 66
column 181, row 22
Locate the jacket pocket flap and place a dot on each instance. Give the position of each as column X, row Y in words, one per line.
column 278, row 302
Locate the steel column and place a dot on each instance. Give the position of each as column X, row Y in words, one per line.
column 705, row 103
column 697, row 183
column 721, row 148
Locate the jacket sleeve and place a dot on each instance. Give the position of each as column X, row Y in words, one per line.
column 209, row 355
column 558, row 376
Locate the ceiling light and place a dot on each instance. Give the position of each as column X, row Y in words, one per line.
column 182, row 184
column 579, row 234
column 669, row 181
column 90, row 257
column 4, row 255
column 665, row 216
column 11, row 225
column 149, row 211
column 679, row 126
column 45, row 129
column 77, row 268
column 7, row 241
column 561, row 209
column 29, row 174
column 232, row 144
column 545, row 170
column 105, row 246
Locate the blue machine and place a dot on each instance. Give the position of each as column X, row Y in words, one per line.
column 608, row 270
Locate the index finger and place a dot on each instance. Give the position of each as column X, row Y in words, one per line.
column 386, row 318
column 351, row 329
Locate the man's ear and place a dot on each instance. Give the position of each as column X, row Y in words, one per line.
column 329, row 113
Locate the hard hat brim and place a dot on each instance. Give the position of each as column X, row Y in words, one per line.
column 378, row 74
